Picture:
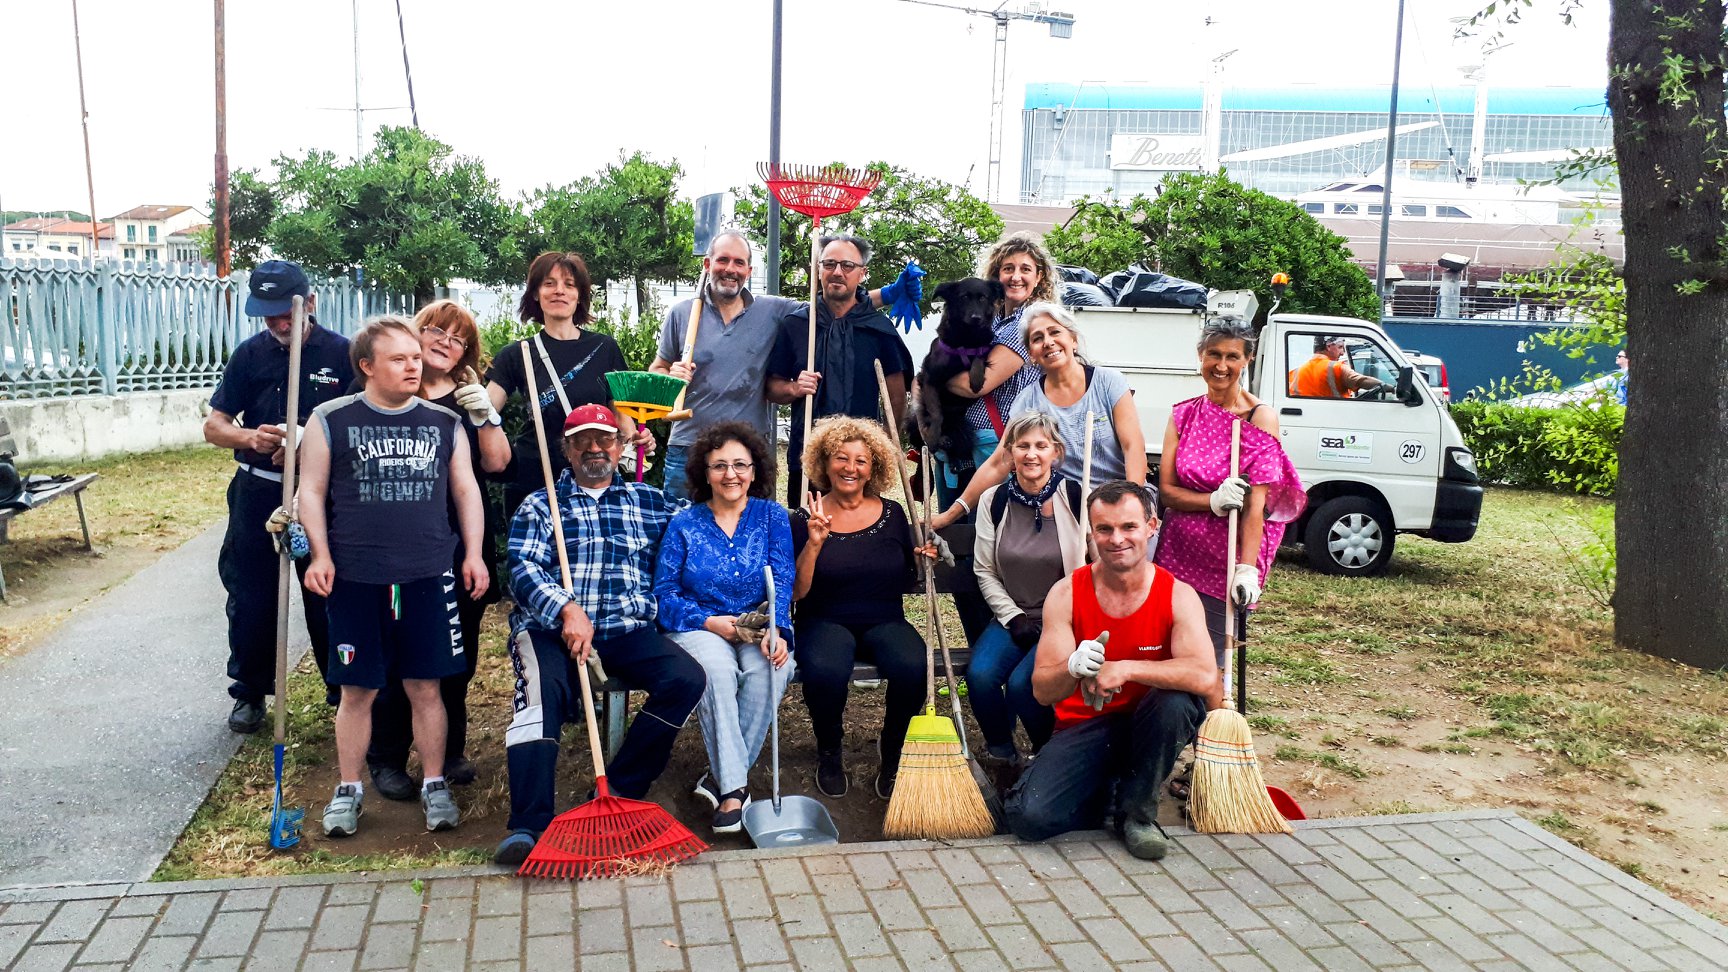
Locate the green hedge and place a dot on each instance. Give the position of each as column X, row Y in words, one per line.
column 1573, row 448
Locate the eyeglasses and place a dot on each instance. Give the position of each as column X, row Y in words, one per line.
column 830, row 266
column 437, row 333
column 740, row 467
column 588, row 438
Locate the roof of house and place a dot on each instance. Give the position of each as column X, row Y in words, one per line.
column 152, row 212
column 61, row 227
column 189, row 231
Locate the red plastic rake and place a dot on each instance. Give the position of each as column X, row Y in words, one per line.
column 818, row 192
column 604, row 836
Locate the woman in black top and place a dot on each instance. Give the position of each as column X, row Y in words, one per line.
column 854, row 562
column 558, row 297
column 450, row 363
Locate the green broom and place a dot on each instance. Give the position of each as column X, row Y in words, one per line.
column 934, row 794
column 644, row 396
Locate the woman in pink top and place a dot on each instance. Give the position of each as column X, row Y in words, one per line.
column 1197, row 492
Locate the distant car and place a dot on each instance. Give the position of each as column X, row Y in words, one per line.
column 1590, row 393
column 1433, row 371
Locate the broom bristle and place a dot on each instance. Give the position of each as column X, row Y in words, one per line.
column 644, row 395
column 601, row 837
column 1228, row 795
column 935, row 796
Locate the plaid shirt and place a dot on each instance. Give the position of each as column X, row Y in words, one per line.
column 611, row 543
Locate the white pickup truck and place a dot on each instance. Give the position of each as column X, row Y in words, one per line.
column 1375, row 465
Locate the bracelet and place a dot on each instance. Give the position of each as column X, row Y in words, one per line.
column 961, row 500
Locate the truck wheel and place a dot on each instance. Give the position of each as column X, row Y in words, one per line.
column 1349, row 536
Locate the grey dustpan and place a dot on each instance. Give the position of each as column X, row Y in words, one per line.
column 792, row 821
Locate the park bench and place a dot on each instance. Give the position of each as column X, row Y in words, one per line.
column 615, row 697
column 39, row 498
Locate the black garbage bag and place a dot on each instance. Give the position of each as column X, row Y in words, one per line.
column 1077, row 275
column 1077, row 294
column 1140, row 287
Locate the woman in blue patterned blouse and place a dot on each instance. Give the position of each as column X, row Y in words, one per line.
column 710, row 573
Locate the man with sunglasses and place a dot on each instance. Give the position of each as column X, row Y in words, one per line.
column 612, row 531
column 850, row 337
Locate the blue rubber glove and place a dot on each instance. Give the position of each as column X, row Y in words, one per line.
column 293, row 540
column 903, row 296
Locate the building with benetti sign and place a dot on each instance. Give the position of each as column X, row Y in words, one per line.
column 1088, row 139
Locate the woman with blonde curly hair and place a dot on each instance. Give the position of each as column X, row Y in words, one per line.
column 854, row 553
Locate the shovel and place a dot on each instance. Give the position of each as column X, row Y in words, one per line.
column 793, row 821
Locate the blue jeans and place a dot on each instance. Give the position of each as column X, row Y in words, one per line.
column 999, row 683
column 674, row 484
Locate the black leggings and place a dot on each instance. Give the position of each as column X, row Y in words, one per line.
column 826, row 653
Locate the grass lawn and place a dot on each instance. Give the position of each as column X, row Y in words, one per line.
column 1473, row 675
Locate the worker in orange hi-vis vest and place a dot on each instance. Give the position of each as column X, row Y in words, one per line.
column 1327, row 374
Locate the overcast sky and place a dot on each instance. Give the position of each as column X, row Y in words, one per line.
column 546, row 92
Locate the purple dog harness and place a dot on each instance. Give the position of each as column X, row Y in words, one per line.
column 966, row 355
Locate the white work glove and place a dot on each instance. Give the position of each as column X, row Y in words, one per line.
column 474, row 400
column 278, row 521
column 1087, row 660
column 1245, row 585
column 1229, row 495
column 944, row 552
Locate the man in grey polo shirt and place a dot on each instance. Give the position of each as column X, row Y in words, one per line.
column 730, row 364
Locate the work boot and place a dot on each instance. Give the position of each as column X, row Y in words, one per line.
column 440, row 807
column 831, row 777
column 1145, row 839
column 393, row 783
column 342, row 813
column 247, row 716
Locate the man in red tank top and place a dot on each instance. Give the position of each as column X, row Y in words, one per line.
column 1125, row 705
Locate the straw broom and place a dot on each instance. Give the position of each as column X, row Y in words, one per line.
column 1228, row 794
column 934, row 794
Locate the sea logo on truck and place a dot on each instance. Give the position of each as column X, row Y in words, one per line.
column 1412, row 451
column 1351, row 447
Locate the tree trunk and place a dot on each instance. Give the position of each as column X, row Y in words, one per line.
column 1672, row 518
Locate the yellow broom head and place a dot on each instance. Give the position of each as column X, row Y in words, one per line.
column 644, row 395
column 1229, row 796
column 935, row 796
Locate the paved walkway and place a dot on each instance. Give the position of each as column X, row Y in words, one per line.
column 114, row 728
column 1477, row 890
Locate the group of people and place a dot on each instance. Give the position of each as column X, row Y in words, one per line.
column 665, row 586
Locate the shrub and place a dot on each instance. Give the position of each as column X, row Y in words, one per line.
column 1573, row 448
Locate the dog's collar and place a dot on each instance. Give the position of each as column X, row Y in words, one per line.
column 966, row 353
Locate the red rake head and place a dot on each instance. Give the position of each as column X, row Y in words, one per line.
column 604, row 836
column 818, row 191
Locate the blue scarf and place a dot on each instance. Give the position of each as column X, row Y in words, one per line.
column 1035, row 501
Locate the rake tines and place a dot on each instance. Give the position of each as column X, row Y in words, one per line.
column 609, row 835
column 818, row 191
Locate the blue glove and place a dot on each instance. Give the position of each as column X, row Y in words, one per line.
column 293, row 540
column 904, row 295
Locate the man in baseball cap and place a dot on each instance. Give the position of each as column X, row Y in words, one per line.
column 612, row 530
column 247, row 415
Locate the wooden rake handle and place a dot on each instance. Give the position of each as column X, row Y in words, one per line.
column 679, row 413
column 285, row 563
column 1230, row 573
column 919, row 538
column 563, row 564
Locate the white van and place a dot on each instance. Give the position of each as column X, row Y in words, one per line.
column 1378, row 464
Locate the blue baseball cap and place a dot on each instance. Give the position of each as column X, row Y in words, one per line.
column 274, row 285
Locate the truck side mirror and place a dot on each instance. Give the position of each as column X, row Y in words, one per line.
column 1406, row 389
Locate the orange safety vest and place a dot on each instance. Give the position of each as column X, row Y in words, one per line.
column 1320, row 377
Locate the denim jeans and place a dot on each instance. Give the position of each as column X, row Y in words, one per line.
column 999, row 684
column 1068, row 786
column 672, row 467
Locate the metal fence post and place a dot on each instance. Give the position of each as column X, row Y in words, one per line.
column 108, row 326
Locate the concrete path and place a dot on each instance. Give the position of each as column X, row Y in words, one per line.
column 1476, row 890
column 113, row 729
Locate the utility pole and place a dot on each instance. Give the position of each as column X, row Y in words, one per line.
column 221, row 216
column 402, row 31
column 84, row 120
column 1381, row 285
column 359, row 142
column 773, row 256
column 1061, row 26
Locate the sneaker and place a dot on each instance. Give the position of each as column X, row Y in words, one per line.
column 342, row 813
column 515, row 848
column 393, row 783
column 1145, row 839
column 708, row 790
column 440, row 806
column 731, row 821
column 459, row 771
column 247, row 716
column 885, row 783
column 831, row 777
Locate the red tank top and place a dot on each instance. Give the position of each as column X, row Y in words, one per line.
column 1142, row 636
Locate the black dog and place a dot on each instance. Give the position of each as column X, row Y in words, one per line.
column 963, row 342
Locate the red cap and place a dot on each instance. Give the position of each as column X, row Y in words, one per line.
column 590, row 417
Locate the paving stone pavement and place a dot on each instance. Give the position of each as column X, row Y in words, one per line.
column 1476, row 890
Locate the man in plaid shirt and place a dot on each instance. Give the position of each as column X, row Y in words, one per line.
column 612, row 531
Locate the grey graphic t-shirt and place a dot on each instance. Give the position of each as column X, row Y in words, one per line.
column 388, row 501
